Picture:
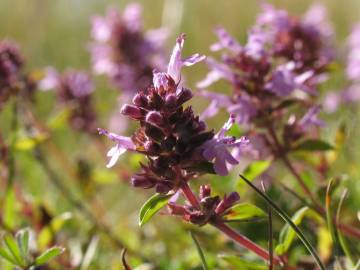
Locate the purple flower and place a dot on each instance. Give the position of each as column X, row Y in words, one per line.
column 74, row 88
column 226, row 41
column 122, row 144
column 12, row 79
column 217, row 149
column 353, row 62
column 169, row 133
column 176, row 62
column 284, row 81
column 218, row 71
column 331, row 102
column 311, row 118
column 123, row 52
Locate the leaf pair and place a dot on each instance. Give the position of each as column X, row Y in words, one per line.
column 16, row 251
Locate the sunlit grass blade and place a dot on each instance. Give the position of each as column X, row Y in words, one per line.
column 342, row 240
column 287, row 219
column 330, row 218
column 200, row 252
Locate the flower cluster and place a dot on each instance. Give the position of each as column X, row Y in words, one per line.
column 282, row 63
column 123, row 52
column 12, row 80
column 176, row 142
column 211, row 209
column 74, row 88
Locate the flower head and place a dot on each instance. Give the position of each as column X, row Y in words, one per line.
column 212, row 208
column 74, row 88
column 175, row 140
column 11, row 78
column 123, row 52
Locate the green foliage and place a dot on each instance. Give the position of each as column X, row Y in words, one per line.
column 152, row 206
column 200, row 251
column 256, row 168
column 15, row 250
column 287, row 234
column 237, row 262
column 243, row 212
column 313, row 145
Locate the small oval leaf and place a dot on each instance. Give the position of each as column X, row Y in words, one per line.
column 243, row 211
column 314, row 145
column 152, row 206
column 48, row 255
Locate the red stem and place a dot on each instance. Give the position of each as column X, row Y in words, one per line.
column 245, row 242
column 235, row 236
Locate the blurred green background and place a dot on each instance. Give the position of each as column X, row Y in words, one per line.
column 56, row 33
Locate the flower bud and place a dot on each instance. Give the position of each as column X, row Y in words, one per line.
column 184, row 95
column 142, row 181
column 163, row 187
column 154, row 118
column 131, row 111
column 139, row 100
column 205, row 191
column 171, row 101
column 151, row 147
column 154, row 133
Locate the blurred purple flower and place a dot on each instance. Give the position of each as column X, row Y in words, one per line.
column 311, row 118
column 353, row 62
column 74, row 88
column 284, row 81
column 12, row 79
column 123, row 52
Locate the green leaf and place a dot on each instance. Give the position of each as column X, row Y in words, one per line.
column 152, row 206
column 200, row 252
column 287, row 234
column 256, row 168
column 314, row 145
column 288, row 220
column 7, row 256
column 48, row 255
column 22, row 238
column 240, row 263
column 13, row 248
column 243, row 211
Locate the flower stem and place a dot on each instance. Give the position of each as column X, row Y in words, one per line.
column 235, row 236
column 245, row 242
